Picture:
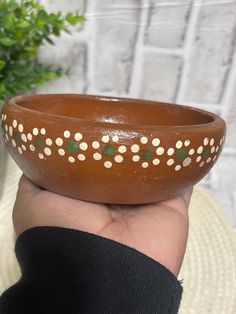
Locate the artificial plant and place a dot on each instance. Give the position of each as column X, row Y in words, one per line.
column 24, row 27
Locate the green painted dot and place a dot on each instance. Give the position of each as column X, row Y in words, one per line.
column 181, row 154
column 109, row 151
column 72, row 146
column 17, row 138
column 147, row 155
column 206, row 153
column 39, row 142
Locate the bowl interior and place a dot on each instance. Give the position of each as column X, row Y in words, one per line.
column 115, row 110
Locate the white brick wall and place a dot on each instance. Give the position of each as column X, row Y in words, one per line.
column 177, row 50
column 160, row 70
column 169, row 18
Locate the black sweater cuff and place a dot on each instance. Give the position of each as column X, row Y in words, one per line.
column 68, row 271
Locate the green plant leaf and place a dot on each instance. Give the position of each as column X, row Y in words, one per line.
column 49, row 40
column 23, row 24
column 2, row 64
column 2, row 88
column 42, row 15
column 8, row 22
column 74, row 19
column 7, row 42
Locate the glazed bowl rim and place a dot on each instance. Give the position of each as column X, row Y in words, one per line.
column 216, row 120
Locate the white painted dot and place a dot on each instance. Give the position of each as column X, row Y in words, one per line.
column 24, row 138
column 7, row 137
column 221, row 141
column 136, row 158
column 179, row 144
column 20, row 150
column 66, row 134
column 10, row 130
column 217, row 148
column 170, row 162
column 49, row 142
column 200, row 149
column 97, row 156
column 83, row 146
column 78, row 136
column 23, row 147
column 160, row 151
column 191, row 152
column 2, row 116
column 156, row 161
column 59, row 141
column 35, row 131
column 213, row 149
column 105, row 138
column 61, row 152
column 13, row 143
column 122, row 149
column 119, row 158
column 199, row 158
column 214, row 158
column 47, row 151
column 187, row 143
column 212, row 142
column 43, row 131
column 202, row 164
column 187, row 161
column 71, row 159
column 20, row 128
column 14, row 124
column 170, row 151
column 156, row 142
column 29, row 136
column 145, row 164
column 40, row 156
column 6, row 127
column 115, row 138
column 208, row 160
column 32, row 148
column 135, row 148
column 206, row 141
column 95, row 145
column 177, row 168
column 5, row 117
column 107, row 164
column 144, row 140
column 81, row 157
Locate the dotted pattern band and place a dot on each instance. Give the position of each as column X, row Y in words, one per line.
column 74, row 147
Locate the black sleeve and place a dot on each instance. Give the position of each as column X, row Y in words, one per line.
column 68, row 271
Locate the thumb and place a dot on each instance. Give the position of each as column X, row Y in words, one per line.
column 26, row 187
column 26, row 191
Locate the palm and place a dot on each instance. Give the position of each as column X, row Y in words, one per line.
column 158, row 230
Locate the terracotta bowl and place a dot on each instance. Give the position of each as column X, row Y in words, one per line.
column 111, row 150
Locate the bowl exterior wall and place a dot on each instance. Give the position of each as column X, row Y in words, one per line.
column 102, row 162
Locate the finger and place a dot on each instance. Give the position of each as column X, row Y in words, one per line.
column 27, row 187
column 187, row 196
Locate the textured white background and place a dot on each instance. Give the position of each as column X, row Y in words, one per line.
column 173, row 51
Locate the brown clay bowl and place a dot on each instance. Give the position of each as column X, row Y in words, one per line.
column 111, row 150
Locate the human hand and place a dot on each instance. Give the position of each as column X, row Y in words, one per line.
column 157, row 230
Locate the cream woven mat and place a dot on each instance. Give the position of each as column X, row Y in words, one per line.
column 209, row 269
